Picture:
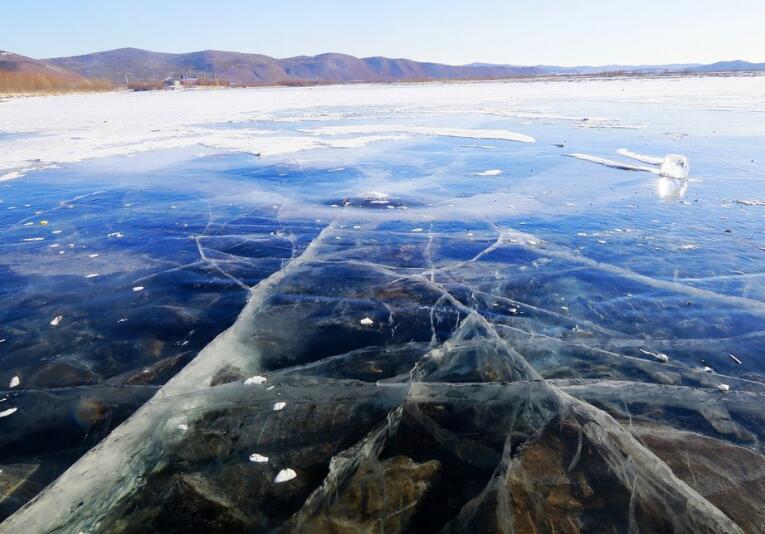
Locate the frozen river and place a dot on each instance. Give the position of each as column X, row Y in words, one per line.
column 426, row 307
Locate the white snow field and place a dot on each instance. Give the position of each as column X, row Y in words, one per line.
column 43, row 132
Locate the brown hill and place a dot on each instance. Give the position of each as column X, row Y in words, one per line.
column 21, row 74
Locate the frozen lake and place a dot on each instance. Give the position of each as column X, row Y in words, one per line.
column 390, row 307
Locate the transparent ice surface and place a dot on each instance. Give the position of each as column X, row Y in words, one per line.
column 382, row 338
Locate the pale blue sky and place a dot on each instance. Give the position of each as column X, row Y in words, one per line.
column 561, row 32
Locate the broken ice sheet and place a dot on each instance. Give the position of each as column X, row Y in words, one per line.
column 484, row 369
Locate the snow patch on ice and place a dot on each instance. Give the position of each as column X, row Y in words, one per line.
column 491, row 172
column 285, row 475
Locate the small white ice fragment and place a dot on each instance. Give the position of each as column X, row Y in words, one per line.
column 725, row 388
column 366, row 321
column 57, row 320
column 91, row 275
column 732, row 357
column 137, row 288
column 490, row 172
column 115, row 234
column 417, row 229
column 658, row 356
column 258, row 458
column 708, row 370
column 257, row 380
column 183, row 427
column 15, row 381
column 11, row 411
column 34, row 239
column 687, row 247
column 285, row 475
column 92, row 255
column 279, row 406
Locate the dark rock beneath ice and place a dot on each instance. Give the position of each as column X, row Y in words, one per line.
column 730, row 477
column 378, row 498
column 63, row 373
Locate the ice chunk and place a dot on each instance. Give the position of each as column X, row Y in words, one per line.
column 675, row 166
column 671, row 166
column 658, row 356
column 258, row 458
column 257, row 380
column 366, row 321
column 285, row 475
column 611, row 163
column 279, row 406
column 15, row 381
column 138, row 288
column 9, row 411
column 57, row 320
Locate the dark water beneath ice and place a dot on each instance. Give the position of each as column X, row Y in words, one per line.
column 388, row 275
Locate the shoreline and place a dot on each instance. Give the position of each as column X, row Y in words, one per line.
column 514, row 79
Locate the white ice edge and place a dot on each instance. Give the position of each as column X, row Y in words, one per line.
column 651, row 160
column 358, row 129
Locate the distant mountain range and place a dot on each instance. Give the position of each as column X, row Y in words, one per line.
column 256, row 68
column 135, row 64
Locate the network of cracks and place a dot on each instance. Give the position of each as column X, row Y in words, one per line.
column 435, row 381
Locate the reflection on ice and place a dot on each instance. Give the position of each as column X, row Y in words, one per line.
column 671, row 187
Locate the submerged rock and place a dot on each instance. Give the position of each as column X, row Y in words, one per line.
column 381, row 497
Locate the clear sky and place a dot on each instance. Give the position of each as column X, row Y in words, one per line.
column 559, row 32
